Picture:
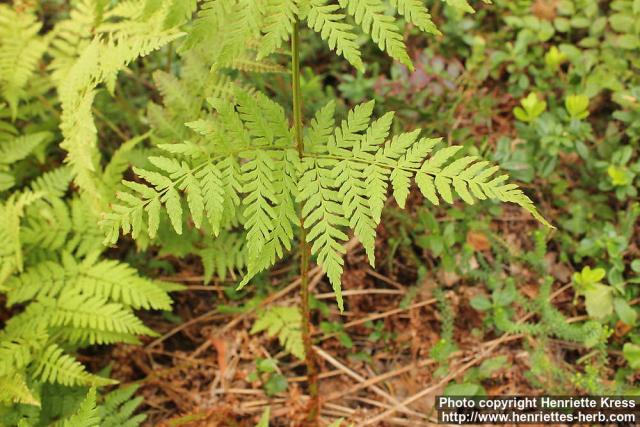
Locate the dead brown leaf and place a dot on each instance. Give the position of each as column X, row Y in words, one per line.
column 478, row 241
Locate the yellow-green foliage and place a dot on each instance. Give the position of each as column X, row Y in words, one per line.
column 243, row 167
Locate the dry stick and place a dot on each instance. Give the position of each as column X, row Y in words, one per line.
column 206, row 316
column 326, row 356
column 386, row 279
column 371, row 381
column 329, row 295
column 445, row 380
column 431, row 420
column 322, row 376
column 427, row 391
column 377, row 316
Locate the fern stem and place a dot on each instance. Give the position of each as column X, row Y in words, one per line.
column 305, row 249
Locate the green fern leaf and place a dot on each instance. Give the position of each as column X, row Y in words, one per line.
column 320, row 130
column 324, row 218
column 14, row 389
column 279, row 16
column 53, row 183
column 16, row 354
column 470, row 179
column 416, row 13
column 87, row 413
column 47, row 225
column 53, row 366
column 214, row 195
column 286, row 324
column 260, row 215
column 264, row 119
column 20, row 147
column 95, row 313
column 369, row 14
column 179, row 12
column 105, row 278
column 117, row 409
column 21, row 49
column 322, row 18
column 224, row 255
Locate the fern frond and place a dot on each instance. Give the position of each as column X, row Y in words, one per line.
column 206, row 184
column 77, row 125
column 85, row 238
column 279, row 16
column 350, row 174
column 264, row 119
column 21, row 49
column 117, row 53
column 98, row 63
column 21, row 146
column 259, row 212
column 71, row 36
column 14, row 389
column 79, row 311
column 334, row 193
column 417, row 14
column 118, row 407
column 209, row 21
column 174, row 94
column 179, row 11
column 53, row 183
column 213, row 194
column 471, row 179
column 16, row 354
column 234, row 24
column 11, row 213
column 339, row 35
column 254, row 66
column 369, row 14
column 286, row 324
column 346, row 175
column 47, row 225
column 87, row 413
column 88, row 336
column 324, row 218
column 320, row 129
column 224, row 255
column 105, row 278
column 54, row 366
column 280, row 235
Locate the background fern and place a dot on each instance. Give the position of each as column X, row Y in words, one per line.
column 51, row 264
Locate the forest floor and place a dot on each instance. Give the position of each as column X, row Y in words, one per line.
column 197, row 372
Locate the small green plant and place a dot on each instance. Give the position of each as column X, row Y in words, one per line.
column 471, row 384
column 598, row 297
column 273, row 382
column 530, row 108
column 284, row 323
